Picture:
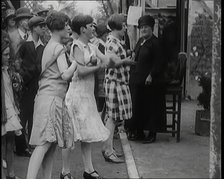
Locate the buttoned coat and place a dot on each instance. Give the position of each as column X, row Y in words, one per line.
column 30, row 71
column 148, row 100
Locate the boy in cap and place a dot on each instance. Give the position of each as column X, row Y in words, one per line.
column 30, row 54
column 46, row 37
column 149, row 89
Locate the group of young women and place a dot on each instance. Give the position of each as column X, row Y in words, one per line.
column 66, row 113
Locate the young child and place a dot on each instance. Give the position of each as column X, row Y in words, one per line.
column 10, row 119
column 50, row 125
column 80, row 100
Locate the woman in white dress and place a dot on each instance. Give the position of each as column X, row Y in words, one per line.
column 80, row 100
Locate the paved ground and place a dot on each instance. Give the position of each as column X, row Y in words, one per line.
column 106, row 169
column 168, row 159
column 163, row 159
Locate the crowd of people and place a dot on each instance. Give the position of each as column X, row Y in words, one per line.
column 73, row 80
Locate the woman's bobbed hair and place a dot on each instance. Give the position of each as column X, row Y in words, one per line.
column 115, row 22
column 56, row 21
column 80, row 21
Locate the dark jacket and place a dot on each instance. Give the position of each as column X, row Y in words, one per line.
column 31, row 63
column 149, row 61
column 30, row 71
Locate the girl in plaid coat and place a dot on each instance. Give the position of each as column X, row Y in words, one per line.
column 118, row 98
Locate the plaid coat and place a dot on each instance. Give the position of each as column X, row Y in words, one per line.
column 117, row 93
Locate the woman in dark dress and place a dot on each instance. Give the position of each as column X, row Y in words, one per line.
column 147, row 85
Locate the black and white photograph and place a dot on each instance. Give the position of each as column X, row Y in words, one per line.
column 110, row 89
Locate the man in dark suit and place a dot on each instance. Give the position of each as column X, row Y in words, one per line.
column 147, row 85
column 30, row 54
column 21, row 34
column 17, row 38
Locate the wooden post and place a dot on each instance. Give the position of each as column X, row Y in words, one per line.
column 133, row 31
column 215, row 128
column 187, row 83
column 182, row 27
column 143, row 7
column 124, row 7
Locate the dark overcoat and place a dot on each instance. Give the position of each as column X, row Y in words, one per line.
column 30, row 71
column 148, row 100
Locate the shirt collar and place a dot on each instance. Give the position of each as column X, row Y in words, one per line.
column 22, row 34
column 102, row 42
column 36, row 44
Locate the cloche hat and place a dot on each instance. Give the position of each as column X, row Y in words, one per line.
column 23, row 12
column 146, row 20
column 10, row 13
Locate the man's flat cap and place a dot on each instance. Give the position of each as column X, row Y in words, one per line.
column 36, row 20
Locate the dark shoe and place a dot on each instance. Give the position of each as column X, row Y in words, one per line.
column 150, row 139
column 66, row 176
column 138, row 137
column 89, row 175
column 112, row 158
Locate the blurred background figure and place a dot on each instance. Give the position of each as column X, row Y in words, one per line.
column 9, row 23
column 17, row 38
column 102, row 32
column 10, row 113
column 47, row 35
column 30, row 54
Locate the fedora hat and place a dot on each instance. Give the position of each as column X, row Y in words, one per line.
column 36, row 20
column 22, row 13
